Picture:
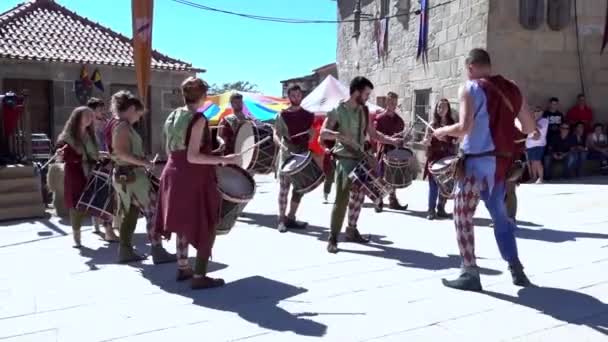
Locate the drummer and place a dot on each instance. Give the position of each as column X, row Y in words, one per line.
column 437, row 149
column 389, row 123
column 230, row 124
column 77, row 147
column 188, row 199
column 348, row 125
column 131, row 182
column 293, row 130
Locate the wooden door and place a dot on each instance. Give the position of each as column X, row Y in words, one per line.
column 143, row 126
column 38, row 102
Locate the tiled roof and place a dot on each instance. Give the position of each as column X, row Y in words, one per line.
column 45, row 31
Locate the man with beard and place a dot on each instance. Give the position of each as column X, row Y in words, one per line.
column 230, row 124
column 389, row 123
column 348, row 125
column 293, row 130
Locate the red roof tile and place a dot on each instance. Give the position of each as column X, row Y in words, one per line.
column 45, row 31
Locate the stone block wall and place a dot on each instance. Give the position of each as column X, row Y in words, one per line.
column 164, row 94
column 545, row 62
column 455, row 27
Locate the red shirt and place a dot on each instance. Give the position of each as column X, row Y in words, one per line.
column 577, row 114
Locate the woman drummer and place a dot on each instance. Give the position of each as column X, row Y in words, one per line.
column 189, row 200
column 437, row 149
column 131, row 182
column 78, row 149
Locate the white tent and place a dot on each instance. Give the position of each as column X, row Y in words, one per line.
column 327, row 95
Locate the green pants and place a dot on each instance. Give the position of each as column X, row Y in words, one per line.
column 329, row 181
column 511, row 199
column 128, row 225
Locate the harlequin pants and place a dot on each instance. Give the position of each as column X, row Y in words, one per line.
column 347, row 195
column 284, row 186
column 468, row 194
column 129, row 222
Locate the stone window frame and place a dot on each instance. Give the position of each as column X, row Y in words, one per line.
column 531, row 21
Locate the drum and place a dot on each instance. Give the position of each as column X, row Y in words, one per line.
column 237, row 188
column 376, row 188
column 97, row 199
column 398, row 167
column 443, row 170
column 261, row 158
column 304, row 172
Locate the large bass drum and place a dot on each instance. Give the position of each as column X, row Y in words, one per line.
column 237, row 188
column 261, row 158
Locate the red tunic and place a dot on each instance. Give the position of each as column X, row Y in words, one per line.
column 188, row 198
column 298, row 122
column 74, row 180
column 502, row 120
column 389, row 125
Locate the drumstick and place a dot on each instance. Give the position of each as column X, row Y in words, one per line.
column 299, row 134
column 520, row 140
column 49, row 161
column 254, row 145
column 426, row 123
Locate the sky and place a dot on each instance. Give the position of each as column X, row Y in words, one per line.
column 230, row 48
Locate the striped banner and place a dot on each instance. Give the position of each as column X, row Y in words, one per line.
column 423, row 32
column 142, row 11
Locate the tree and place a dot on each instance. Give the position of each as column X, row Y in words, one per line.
column 244, row 86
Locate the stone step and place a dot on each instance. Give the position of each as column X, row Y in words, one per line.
column 26, row 184
column 24, row 198
column 22, row 212
column 16, row 171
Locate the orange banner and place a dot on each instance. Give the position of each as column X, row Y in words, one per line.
column 142, row 12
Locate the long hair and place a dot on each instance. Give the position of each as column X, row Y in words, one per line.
column 436, row 123
column 72, row 127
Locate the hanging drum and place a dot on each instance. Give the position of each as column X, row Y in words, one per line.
column 558, row 14
column 531, row 13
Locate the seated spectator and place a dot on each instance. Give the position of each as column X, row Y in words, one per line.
column 559, row 152
column 555, row 117
column 535, row 146
column 580, row 113
column 597, row 142
column 578, row 154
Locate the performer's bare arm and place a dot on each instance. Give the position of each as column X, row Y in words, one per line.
column 525, row 119
column 194, row 147
column 465, row 122
column 375, row 135
column 221, row 139
column 122, row 145
column 326, row 133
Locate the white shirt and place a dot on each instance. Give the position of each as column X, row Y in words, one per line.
column 542, row 125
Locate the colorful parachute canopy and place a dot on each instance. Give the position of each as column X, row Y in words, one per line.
column 258, row 106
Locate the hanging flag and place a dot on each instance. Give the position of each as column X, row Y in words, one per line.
column 423, row 32
column 142, row 11
column 605, row 41
column 96, row 79
column 84, row 76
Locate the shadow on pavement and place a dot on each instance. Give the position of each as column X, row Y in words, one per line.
column 405, row 257
column 565, row 305
column 255, row 299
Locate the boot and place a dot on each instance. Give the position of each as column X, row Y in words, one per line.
column 441, row 213
column 353, row 235
column 127, row 254
column 431, row 215
column 200, row 281
column 379, row 206
column 161, row 256
column 332, row 244
column 394, row 204
column 184, row 274
column 467, row 281
column 518, row 275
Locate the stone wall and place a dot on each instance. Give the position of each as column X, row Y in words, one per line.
column 545, row 62
column 164, row 90
column 454, row 28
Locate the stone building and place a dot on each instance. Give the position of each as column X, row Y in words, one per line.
column 43, row 49
column 534, row 42
column 309, row 82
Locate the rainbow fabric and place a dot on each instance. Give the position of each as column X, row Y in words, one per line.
column 260, row 107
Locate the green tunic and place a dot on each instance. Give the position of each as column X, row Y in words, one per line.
column 351, row 122
column 176, row 128
column 139, row 190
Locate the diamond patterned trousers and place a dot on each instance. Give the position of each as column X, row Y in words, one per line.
column 284, row 186
column 348, row 195
column 469, row 192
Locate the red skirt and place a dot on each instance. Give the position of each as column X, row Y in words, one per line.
column 188, row 202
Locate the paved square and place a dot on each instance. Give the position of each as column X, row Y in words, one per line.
column 286, row 287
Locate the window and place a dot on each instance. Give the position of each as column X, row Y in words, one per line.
column 558, row 13
column 422, row 100
column 381, row 101
column 385, row 8
column 531, row 13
